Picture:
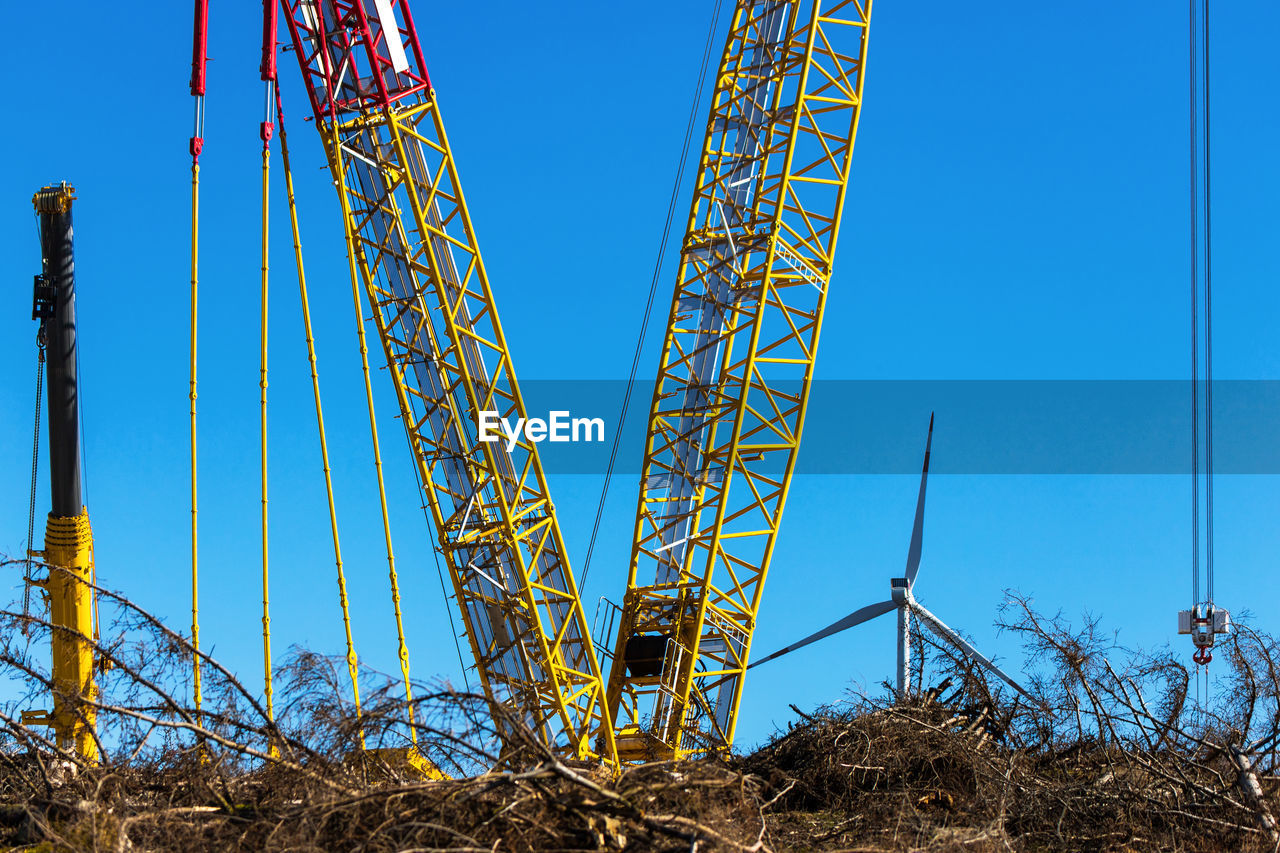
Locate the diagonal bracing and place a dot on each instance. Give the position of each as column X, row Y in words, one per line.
column 729, row 403
column 424, row 279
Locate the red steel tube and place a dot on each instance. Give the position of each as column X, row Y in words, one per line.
column 269, row 17
column 200, row 47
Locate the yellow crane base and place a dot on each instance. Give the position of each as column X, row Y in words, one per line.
column 69, row 554
column 406, row 760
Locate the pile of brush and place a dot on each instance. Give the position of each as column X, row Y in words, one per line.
column 1104, row 753
column 934, row 777
column 915, row 776
column 369, row 806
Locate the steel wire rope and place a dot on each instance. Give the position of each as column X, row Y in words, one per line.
column 677, row 184
column 35, row 473
column 191, row 398
column 368, row 387
column 1208, row 319
column 262, row 423
column 267, row 68
column 35, row 449
column 435, row 556
column 1199, row 85
column 1195, row 319
column 199, row 60
column 81, row 420
column 315, row 388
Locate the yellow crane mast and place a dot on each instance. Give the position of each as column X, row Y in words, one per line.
column 736, row 365
column 68, row 542
column 413, row 250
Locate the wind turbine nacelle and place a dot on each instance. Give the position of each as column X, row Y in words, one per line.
column 898, row 590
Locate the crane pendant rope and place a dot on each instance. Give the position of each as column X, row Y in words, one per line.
column 268, row 71
column 198, row 63
column 324, row 451
column 352, row 662
column 659, row 263
column 35, row 474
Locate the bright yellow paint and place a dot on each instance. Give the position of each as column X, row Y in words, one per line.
column 702, row 612
column 262, row 438
column 68, row 544
column 324, row 445
column 555, row 685
column 191, row 400
column 408, row 758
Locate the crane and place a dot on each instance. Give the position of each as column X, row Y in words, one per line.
column 68, row 542
column 414, row 251
column 733, row 385
column 737, row 361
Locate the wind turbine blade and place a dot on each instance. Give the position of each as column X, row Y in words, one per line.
column 917, row 531
column 959, row 642
column 857, row 617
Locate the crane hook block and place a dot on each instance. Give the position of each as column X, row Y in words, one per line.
column 1204, row 623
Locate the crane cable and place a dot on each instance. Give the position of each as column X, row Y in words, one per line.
column 1199, row 79
column 195, row 562
column 265, row 134
column 102, row 662
column 423, row 501
column 198, row 62
column 1208, row 329
column 1196, row 404
column 653, row 287
column 1195, row 319
column 403, row 652
column 354, row 275
column 35, row 473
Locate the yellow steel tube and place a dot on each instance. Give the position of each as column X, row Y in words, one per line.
column 324, row 445
column 262, row 429
column 402, row 648
column 195, row 565
column 402, row 645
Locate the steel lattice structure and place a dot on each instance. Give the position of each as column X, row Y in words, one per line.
column 415, row 251
column 737, row 360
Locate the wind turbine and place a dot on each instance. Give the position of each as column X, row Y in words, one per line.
column 902, row 600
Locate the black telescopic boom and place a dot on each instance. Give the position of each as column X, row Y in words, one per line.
column 53, row 205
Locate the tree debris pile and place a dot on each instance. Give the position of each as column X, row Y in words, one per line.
column 1108, row 751
column 548, row 807
column 920, row 777
column 889, row 778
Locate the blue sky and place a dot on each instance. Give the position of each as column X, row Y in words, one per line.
column 1018, row 210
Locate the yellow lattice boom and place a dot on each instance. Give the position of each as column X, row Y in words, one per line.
column 420, row 267
column 736, row 364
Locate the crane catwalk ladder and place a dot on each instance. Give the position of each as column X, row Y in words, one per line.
column 729, row 403
column 417, row 260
